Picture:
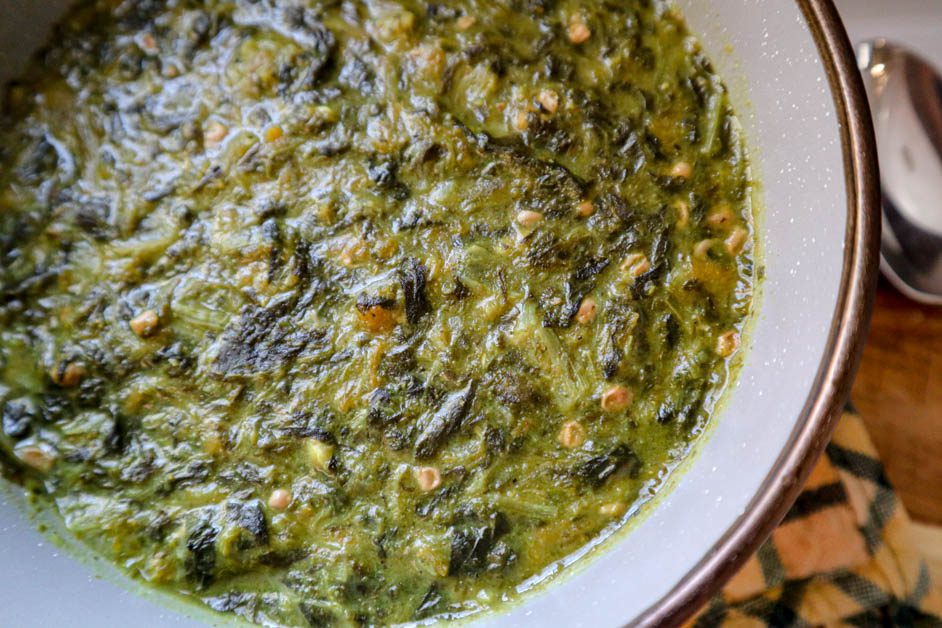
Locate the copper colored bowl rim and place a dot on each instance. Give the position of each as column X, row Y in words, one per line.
column 846, row 336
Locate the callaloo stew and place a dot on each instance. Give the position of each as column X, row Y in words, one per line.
column 350, row 312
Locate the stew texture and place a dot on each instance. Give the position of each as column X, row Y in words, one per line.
column 364, row 311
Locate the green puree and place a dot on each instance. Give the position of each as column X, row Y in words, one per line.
column 363, row 311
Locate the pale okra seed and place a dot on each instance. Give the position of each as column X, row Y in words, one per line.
column 579, row 33
column 636, row 264
column 67, row 374
column 720, row 217
column 736, row 240
column 145, row 323
column 727, row 343
column 587, row 311
column 702, row 248
column 616, row 398
column 215, row 133
column 529, row 218
column 549, row 100
column 571, row 435
column 613, row 509
column 428, row 478
column 279, row 499
column 585, row 209
column 36, row 458
column 682, row 170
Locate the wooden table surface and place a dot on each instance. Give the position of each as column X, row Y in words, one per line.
column 898, row 392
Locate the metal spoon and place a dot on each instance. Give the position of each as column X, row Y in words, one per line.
column 905, row 94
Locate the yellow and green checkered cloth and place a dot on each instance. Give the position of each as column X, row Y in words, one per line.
column 841, row 557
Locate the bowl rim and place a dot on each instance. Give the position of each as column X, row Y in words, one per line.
column 846, row 335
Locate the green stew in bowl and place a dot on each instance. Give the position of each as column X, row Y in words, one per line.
column 364, row 311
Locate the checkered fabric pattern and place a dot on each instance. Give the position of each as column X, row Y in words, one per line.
column 841, row 557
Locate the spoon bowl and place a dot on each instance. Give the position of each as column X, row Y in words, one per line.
column 905, row 94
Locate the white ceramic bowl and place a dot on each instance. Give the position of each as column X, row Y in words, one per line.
column 794, row 84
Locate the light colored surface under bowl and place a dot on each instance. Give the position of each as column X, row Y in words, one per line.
column 781, row 90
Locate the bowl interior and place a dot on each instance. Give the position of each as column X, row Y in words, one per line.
column 765, row 51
